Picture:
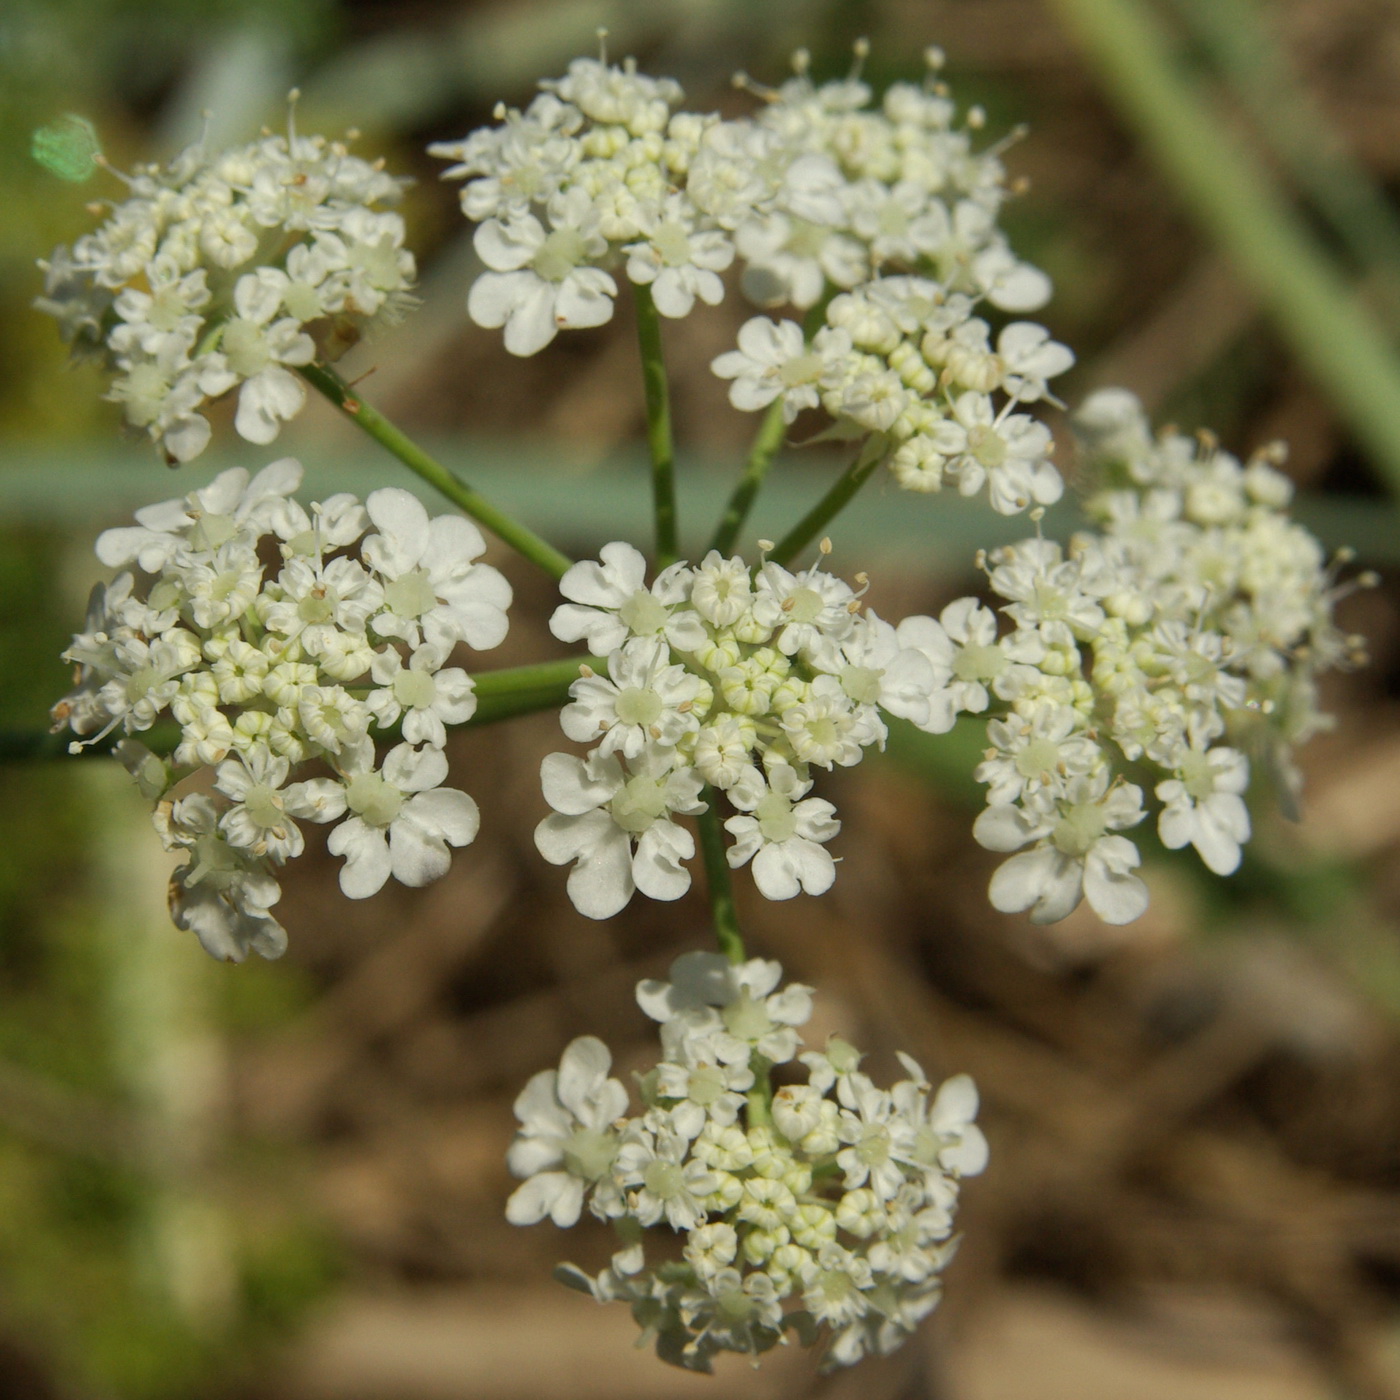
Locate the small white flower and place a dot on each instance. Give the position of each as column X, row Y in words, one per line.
column 1204, row 807
column 567, row 1143
column 785, row 837
column 402, row 820
column 600, row 811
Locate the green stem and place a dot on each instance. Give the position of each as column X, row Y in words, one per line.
column 722, row 910
column 765, row 447
column 524, row 690
column 846, row 485
column 760, row 1113
column 658, row 399
column 520, row 538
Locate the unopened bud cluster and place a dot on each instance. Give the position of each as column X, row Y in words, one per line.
column 277, row 638
column 824, row 1208
column 716, row 675
column 227, row 270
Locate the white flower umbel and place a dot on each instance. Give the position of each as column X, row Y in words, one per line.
column 263, row 674
column 228, row 270
column 817, row 192
column 776, row 1237
column 715, row 676
column 1184, row 633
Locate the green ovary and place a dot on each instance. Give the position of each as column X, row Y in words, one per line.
column 641, row 801
column 374, row 799
column 415, row 690
column 411, row 594
column 590, row 1153
column 637, row 706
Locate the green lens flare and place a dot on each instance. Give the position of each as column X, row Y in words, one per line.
column 68, row 148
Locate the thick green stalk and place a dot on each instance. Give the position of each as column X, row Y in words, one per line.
column 847, row 484
column 1237, row 35
column 722, row 910
column 761, row 454
column 658, row 400
column 524, row 690
column 520, row 538
column 1243, row 210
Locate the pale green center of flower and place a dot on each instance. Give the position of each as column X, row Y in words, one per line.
column 167, row 307
column 801, row 369
column 373, row 798
column 144, row 392
column 735, row 1304
column 672, row 243
column 1198, row 776
column 415, row 690
column 987, row 445
column 1076, row 831
column 590, row 1153
column 559, row 254
column 315, row 607
column 637, row 706
column 747, row 1019
column 302, row 302
column 642, row 614
column 212, row 860
column 707, row 1085
column 141, row 682
column 835, row 1287
column 1050, row 602
column 893, row 221
column 775, row 819
column 862, row 684
column 807, row 240
column 411, row 594
column 165, row 593
column 641, row 801
column 663, row 1179
column 1038, row 758
column 210, row 531
column 264, row 805
column 807, row 605
column 874, row 1146
column 927, row 1146
column 245, row 348
column 821, row 732
column 974, row 663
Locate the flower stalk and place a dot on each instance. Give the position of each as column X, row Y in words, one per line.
column 370, row 421
column 722, row 910
column 833, row 503
column 659, row 439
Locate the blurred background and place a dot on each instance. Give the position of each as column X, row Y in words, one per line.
column 285, row 1182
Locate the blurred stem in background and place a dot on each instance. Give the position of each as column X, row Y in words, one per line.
column 1237, row 37
column 1243, row 210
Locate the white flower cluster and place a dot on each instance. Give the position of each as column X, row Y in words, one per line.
column 266, row 667
column 818, row 191
column 717, row 676
column 1169, row 648
column 228, row 270
column 825, row 1208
